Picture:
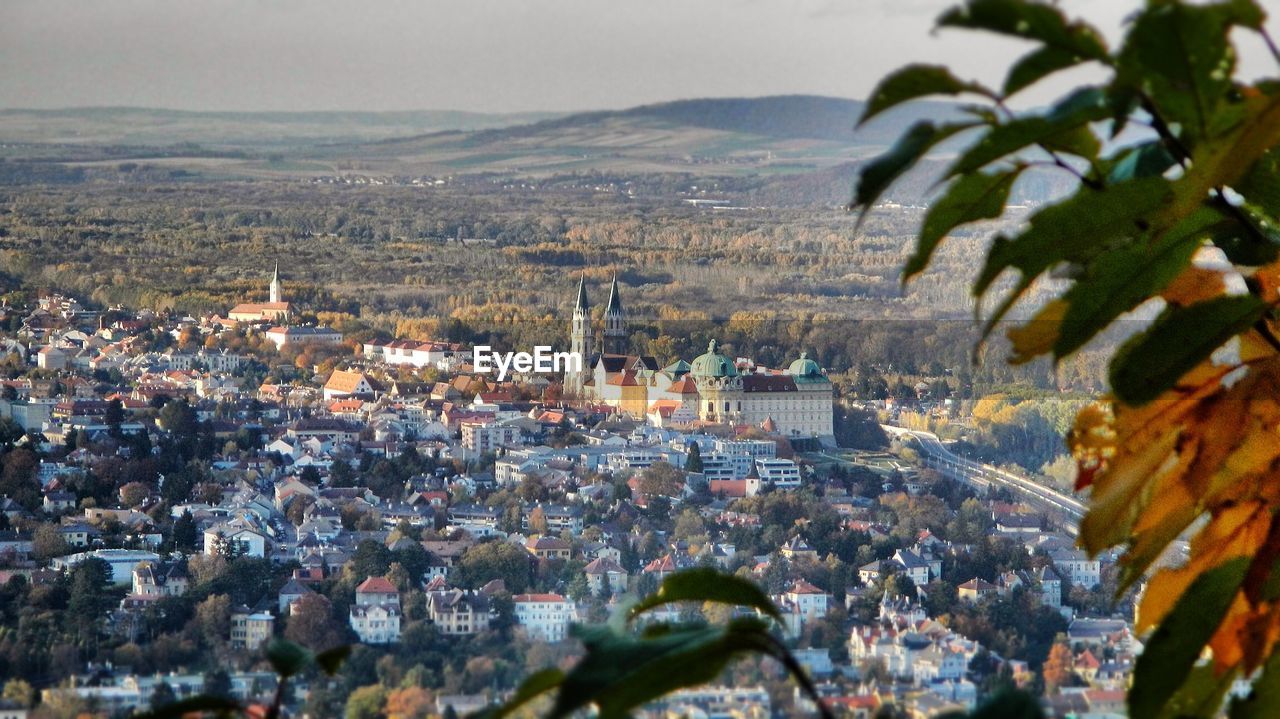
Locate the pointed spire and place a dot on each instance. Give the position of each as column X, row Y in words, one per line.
column 582, row 294
column 615, row 300
column 276, row 295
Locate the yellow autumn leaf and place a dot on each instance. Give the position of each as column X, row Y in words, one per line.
column 1235, row 531
column 1037, row 335
column 1118, row 494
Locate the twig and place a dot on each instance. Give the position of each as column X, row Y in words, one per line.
column 1271, row 43
column 1180, row 151
column 1089, row 182
column 1241, row 216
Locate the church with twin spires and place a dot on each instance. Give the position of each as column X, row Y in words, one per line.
column 712, row 389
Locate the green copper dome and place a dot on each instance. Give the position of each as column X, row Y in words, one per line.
column 713, row 364
column 804, row 367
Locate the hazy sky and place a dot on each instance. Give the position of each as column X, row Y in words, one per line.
column 486, row 55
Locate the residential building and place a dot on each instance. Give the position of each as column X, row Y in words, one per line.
column 545, row 617
column 375, row 617
column 250, row 629
column 457, row 612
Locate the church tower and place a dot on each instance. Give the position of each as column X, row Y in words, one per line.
column 615, row 323
column 580, row 339
column 275, row 285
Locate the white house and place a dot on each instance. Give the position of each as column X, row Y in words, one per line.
column 250, row 542
column 810, row 601
column 604, row 571
column 782, row 473
column 1079, row 568
column 545, row 616
column 375, row 617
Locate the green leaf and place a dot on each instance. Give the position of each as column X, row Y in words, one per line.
column 1031, row 21
column 287, row 658
column 534, row 686
column 621, row 672
column 1065, row 128
column 1202, row 692
column 1174, row 647
column 707, row 585
column 973, row 197
column 331, row 660
column 913, row 82
column 199, row 703
column 1125, row 277
column 1263, row 700
column 1036, row 65
column 1076, row 229
column 1180, row 338
column 1260, row 186
column 1150, row 159
column 1179, row 57
column 1242, row 245
column 876, row 176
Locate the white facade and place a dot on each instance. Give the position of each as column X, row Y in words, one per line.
column 545, row 617
column 783, row 473
column 1079, row 568
column 250, row 543
column 375, row 617
column 488, row 437
column 122, row 561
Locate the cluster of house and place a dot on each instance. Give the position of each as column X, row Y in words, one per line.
column 746, row 424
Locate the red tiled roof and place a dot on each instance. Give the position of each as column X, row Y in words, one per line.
column 537, row 598
column 684, row 385
column 376, row 585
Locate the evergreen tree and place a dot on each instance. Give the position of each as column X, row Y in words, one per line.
column 217, row 683
column 162, row 695
column 184, row 532
column 694, row 462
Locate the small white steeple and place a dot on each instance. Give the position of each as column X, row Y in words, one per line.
column 275, row 284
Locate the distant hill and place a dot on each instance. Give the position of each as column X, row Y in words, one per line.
column 791, row 117
column 139, row 126
column 772, row 151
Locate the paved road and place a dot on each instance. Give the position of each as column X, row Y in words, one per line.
column 981, row 476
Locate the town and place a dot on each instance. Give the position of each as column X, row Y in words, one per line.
column 175, row 496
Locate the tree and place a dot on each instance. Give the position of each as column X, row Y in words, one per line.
column 694, row 462
column 185, row 533
column 213, row 617
column 660, row 479
column 20, row 692
column 18, row 477
column 1186, row 432
column 217, row 683
column 311, row 623
column 366, row 702
column 409, row 703
column 179, row 419
column 47, row 542
column 134, row 494
column 114, row 416
column 538, row 521
column 689, row 524
column 162, row 695
column 1059, row 668
column 371, row 559
column 487, row 561
column 87, row 601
